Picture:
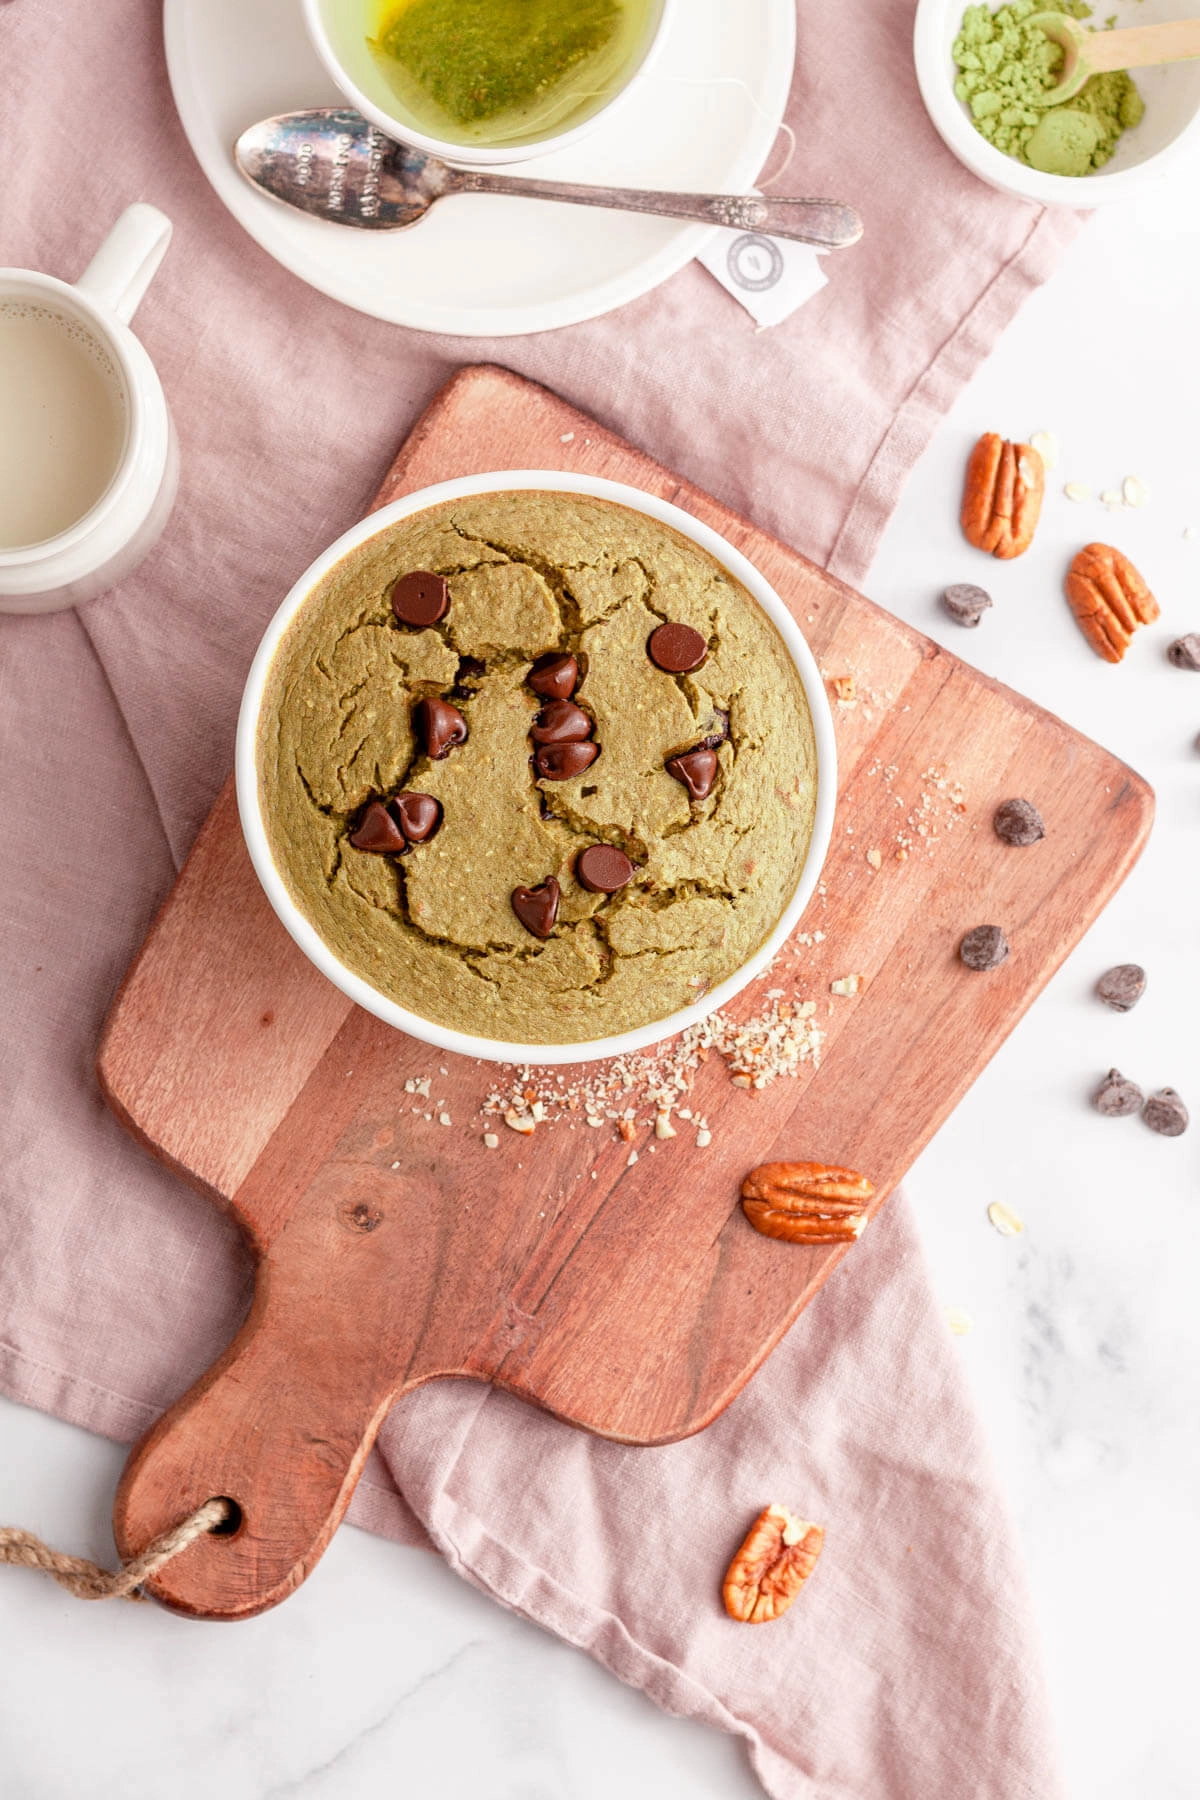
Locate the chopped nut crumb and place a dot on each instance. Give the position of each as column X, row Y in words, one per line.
column 958, row 1321
column 627, row 1130
column 1046, row 445
column 1007, row 1222
column 1077, row 490
column 444, row 1119
column 844, row 690
column 875, row 858
column 491, row 1140
column 703, row 1138
column 1134, row 491
column 663, row 1127
column 520, row 1122
column 1113, row 498
column 846, row 985
column 631, row 1159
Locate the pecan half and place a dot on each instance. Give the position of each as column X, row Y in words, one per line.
column 806, row 1202
column 1002, row 495
column 1109, row 599
column 776, row 1558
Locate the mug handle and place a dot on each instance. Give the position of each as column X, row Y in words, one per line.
column 124, row 265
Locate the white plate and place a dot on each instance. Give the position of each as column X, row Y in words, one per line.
column 704, row 119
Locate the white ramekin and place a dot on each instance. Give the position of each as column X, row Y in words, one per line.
column 1171, row 124
column 464, row 1043
column 468, row 156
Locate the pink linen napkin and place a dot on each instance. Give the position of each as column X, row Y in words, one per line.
column 900, row 1668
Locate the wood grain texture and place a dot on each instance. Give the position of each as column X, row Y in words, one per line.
column 633, row 1301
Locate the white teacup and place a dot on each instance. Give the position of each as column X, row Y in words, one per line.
column 88, row 459
column 339, row 30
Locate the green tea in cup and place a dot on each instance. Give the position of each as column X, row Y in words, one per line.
column 493, row 72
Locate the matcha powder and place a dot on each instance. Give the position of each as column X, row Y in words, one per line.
column 1005, row 63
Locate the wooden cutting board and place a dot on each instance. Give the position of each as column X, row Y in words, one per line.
column 631, row 1298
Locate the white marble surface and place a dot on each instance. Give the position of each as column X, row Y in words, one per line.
column 386, row 1675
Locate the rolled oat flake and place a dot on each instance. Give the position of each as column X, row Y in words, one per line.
column 984, row 948
column 1184, row 653
column 1019, row 822
column 1122, row 987
column 966, row 603
column 1116, row 1097
column 1165, row 1113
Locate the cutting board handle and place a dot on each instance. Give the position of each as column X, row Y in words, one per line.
column 281, row 1426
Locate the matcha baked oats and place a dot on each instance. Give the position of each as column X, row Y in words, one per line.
column 536, row 767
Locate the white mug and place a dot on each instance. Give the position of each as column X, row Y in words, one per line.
column 93, row 552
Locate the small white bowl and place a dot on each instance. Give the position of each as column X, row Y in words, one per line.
column 1171, row 124
column 374, row 102
column 462, row 1042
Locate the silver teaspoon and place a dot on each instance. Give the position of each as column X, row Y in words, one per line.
column 333, row 163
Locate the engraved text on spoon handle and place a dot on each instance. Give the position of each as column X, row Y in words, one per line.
column 822, row 222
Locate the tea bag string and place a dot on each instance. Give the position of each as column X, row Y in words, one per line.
column 87, row 1580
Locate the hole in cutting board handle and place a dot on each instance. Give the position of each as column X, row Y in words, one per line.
column 233, row 1521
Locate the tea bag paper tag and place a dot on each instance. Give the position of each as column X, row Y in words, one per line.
column 770, row 277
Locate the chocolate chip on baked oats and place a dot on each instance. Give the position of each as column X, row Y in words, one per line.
column 1184, row 653
column 1018, row 822
column 696, row 769
column 720, row 735
column 1122, row 987
column 537, row 907
column 966, row 603
column 1116, row 1097
column 676, row 649
column 984, row 948
column 561, row 722
column 1165, row 1113
column 440, row 725
column 559, row 762
column 603, row 869
column 418, row 815
column 420, row 598
column 554, row 677
column 378, row 831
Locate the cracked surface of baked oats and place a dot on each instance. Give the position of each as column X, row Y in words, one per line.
column 532, row 575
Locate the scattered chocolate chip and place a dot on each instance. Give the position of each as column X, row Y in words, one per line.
column 559, row 762
column 697, row 769
column 1018, row 822
column 984, row 948
column 537, row 907
column 676, row 649
column 441, row 726
column 378, row 831
column 1165, row 1113
column 561, row 722
column 966, row 603
column 1122, row 987
column 603, row 869
column 1116, row 1097
column 418, row 815
column 420, row 599
column 1184, row 653
column 554, row 677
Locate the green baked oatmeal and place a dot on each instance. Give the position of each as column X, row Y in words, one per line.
column 530, row 577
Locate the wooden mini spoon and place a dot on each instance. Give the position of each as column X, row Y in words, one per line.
column 1087, row 53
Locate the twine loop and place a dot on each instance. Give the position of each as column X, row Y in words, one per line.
column 87, row 1580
